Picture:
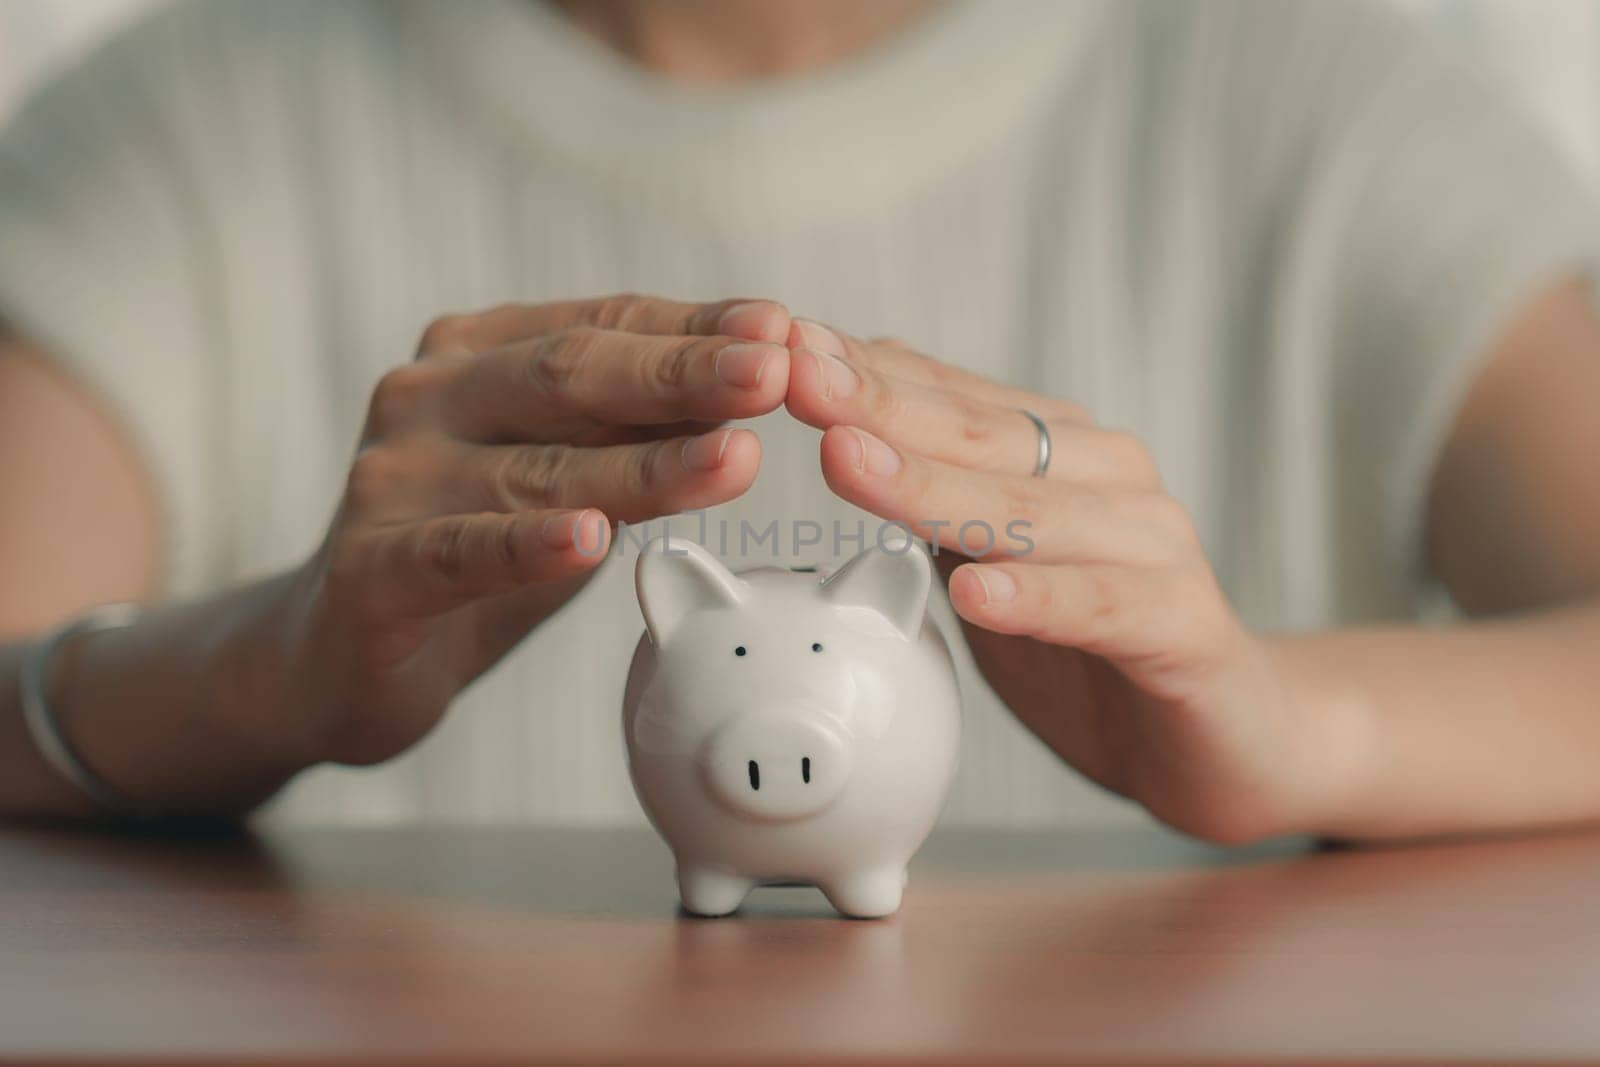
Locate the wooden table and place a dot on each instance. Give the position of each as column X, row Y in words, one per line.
column 455, row 946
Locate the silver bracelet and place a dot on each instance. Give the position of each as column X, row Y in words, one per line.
column 40, row 717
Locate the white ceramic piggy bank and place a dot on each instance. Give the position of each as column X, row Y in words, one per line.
column 790, row 726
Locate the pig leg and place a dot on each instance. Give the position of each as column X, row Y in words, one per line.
column 710, row 892
column 868, row 894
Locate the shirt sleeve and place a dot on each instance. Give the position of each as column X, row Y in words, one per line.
column 1433, row 210
column 102, row 262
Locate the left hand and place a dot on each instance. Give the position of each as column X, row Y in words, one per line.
column 1110, row 637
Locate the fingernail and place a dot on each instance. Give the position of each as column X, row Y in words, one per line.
column 815, row 336
column 704, row 453
column 836, row 379
column 561, row 530
column 755, row 319
column 998, row 586
column 874, row 457
column 741, row 365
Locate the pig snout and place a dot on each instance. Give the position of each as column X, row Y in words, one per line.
column 776, row 767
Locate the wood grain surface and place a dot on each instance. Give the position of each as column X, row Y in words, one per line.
column 453, row 946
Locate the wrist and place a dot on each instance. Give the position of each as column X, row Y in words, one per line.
column 271, row 665
column 182, row 712
column 1332, row 729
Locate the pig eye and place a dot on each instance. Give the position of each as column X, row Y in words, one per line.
column 816, row 646
column 739, row 651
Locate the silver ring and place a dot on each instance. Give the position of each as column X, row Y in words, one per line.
column 40, row 717
column 1042, row 464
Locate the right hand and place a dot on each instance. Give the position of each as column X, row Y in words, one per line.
column 490, row 474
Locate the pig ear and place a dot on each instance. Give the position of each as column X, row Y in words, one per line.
column 674, row 578
column 894, row 583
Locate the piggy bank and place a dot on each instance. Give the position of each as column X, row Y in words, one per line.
column 790, row 726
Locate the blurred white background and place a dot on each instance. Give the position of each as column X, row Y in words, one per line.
column 39, row 36
column 1549, row 50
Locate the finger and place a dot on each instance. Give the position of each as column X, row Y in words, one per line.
column 560, row 387
column 900, row 360
column 958, row 428
column 431, row 567
column 630, row 483
column 750, row 320
column 987, row 515
column 1148, row 619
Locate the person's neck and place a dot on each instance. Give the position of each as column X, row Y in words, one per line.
column 714, row 41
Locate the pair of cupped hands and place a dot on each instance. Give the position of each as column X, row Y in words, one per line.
column 494, row 466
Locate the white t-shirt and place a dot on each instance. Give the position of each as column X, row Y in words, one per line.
column 1272, row 238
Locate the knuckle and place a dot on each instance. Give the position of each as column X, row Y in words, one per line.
column 345, row 570
column 878, row 351
column 639, row 476
column 444, row 551
column 559, row 361
column 549, row 474
column 1107, row 609
column 1043, row 610
column 673, row 371
column 1172, row 520
column 1131, row 457
column 400, row 396
column 879, row 398
column 1066, row 410
column 940, row 375
column 974, row 419
column 446, row 331
column 917, row 483
column 376, row 476
column 620, row 311
column 1044, row 598
column 518, row 478
column 1019, row 499
column 505, row 548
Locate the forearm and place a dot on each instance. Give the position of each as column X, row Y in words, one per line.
column 183, row 712
column 1480, row 727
